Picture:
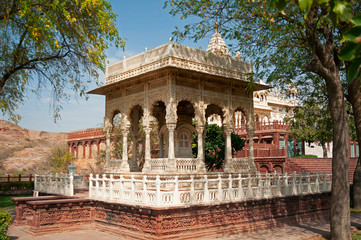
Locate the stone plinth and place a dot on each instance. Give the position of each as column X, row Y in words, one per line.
column 177, row 222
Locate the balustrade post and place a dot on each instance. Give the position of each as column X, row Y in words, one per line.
column 176, row 191
column 294, row 187
column 71, row 185
column 249, row 187
column 308, row 180
column 259, row 193
column 144, row 192
column 267, row 188
column 285, row 181
column 132, row 189
column 230, row 193
column 158, row 196
column 317, row 182
column 36, row 182
column 192, row 193
column 240, row 187
column 278, row 180
column 324, row 187
column 54, row 187
column 206, row 191
column 220, row 192
column 104, row 187
column 300, row 183
column 97, row 185
column 111, row 181
column 121, row 188
column 90, row 185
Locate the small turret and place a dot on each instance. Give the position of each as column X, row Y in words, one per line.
column 217, row 45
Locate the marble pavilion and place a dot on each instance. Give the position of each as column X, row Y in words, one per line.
column 173, row 85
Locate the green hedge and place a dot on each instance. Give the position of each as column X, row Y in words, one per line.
column 5, row 220
column 16, row 186
column 351, row 195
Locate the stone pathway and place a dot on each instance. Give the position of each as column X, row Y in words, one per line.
column 295, row 232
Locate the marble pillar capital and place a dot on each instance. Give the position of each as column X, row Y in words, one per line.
column 171, row 126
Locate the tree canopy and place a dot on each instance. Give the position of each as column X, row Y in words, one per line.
column 54, row 45
column 296, row 42
column 214, row 146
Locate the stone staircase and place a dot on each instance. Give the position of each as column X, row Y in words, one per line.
column 313, row 165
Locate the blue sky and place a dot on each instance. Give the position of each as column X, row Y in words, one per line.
column 144, row 23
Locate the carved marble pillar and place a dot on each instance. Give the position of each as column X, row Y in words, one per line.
column 171, row 151
column 107, row 131
column 201, row 167
column 125, row 165
column 171, row 123
column 133, row 162
column 228, row 164
column 250, row 132
column 161, row 140
column 147, row 156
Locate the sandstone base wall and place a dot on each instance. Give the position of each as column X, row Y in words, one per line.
column 191, row 222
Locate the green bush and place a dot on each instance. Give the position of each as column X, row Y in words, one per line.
column 16, row 186
column 5, row 220
column 351, row 195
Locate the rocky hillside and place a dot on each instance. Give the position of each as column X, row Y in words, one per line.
column 22, row 149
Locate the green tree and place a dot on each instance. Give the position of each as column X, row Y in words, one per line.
column 341, row 14
column 312, row 122
column 214, row 146
column 297, row 43
column 53, row 45
column 59, row 159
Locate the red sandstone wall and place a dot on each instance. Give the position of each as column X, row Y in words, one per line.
column 205, row 221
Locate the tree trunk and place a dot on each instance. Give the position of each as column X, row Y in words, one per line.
column 340, row 197
column 354, row 97
column 324, row 149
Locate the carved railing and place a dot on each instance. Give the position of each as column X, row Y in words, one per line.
column 262, row 153
column 185, row 190
column 55, row 184
column 275, row 125
column 183, row 165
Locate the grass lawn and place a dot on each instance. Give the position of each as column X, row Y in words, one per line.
column 306, row 156
column 354, row 210
column 6, row 203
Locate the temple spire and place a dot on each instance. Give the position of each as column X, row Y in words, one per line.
column 217, row 45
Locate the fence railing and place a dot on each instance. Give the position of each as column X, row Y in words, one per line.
column 19, row 178
column 262, row 153
column 55, row 184
column 180, row 190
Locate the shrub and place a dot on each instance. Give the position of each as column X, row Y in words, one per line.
column 5, row 220
column 16, row 186
column 59, row 159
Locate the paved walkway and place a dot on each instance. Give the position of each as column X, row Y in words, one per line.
column 296, row 232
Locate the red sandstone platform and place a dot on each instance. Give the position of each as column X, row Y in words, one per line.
column 295, row 232
column 53, row 216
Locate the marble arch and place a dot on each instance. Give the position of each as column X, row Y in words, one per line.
column 160, row 79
